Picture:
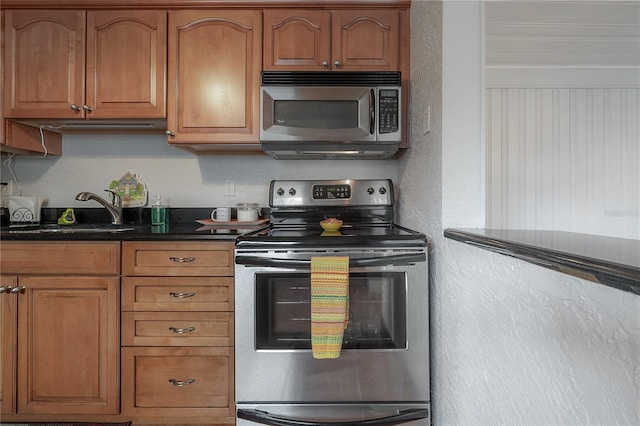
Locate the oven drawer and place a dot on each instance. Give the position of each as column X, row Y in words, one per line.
column 162, row 382
column 177, row 294
column 177, row 258
column 177, row 329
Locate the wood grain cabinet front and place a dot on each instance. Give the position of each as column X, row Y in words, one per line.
column 214, row 70
column 178, row 332
column 74, row 64
column 338, row 40
column 60, row 329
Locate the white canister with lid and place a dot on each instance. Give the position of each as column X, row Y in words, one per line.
column 247, row 212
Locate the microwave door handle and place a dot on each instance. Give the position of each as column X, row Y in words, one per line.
column 401, row 416
column 372, row 113
column 399, row 259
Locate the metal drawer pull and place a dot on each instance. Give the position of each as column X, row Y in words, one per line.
column 181, row 330
column 179, row 383
column 4, row 289
column 182, row 259
column 182, row 295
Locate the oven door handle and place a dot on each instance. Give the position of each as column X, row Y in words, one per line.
column 402, row 416
column 394, row 260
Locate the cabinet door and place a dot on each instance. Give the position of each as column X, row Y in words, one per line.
column 8, row 342
column 44, row 63
column 126, row 63
column 68, row 353
column 214, row 67
column 297, row 40
column 366, row 40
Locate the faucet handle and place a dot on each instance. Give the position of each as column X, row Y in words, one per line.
column 116, row 200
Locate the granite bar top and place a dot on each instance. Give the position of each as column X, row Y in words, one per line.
column 610, row 261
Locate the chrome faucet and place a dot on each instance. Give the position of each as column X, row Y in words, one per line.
column 114, row 207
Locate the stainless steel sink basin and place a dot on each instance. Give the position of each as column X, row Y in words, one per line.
column 68, row 229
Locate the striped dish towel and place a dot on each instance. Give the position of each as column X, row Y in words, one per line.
column 329, row 304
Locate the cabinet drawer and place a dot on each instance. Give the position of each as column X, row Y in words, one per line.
column 177, row 259
column 60, row 258
column 177, row 294
column 177, row 329
column 164, row 381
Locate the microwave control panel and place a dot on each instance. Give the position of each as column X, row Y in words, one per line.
column 389, row 110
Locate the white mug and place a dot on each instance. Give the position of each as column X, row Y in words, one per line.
column 247, row 212
column 221, row 214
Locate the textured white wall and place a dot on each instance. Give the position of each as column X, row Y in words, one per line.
column 91, row 162
column 512, row 343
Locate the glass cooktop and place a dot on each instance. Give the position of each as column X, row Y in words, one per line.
column 313, row 235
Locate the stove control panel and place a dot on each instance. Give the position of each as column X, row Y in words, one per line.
column 347, row 192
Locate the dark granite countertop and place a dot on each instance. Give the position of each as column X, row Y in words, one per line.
column 614, row 262
column 181, row 226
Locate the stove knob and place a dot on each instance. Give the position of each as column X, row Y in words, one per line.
column 280, row 192
column 383, row 190
column 370, row 191
column 292, row 192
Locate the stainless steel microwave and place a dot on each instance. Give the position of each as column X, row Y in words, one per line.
column 330, row 114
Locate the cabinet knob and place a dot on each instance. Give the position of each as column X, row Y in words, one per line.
column 16, row 290
column 170, row 133
column 325, row 64
column 75, row 107
column 87, row 108
column 337, row 64
column 4, row 289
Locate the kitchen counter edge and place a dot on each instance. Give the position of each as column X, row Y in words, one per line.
column 139, row 233
column 614, row 262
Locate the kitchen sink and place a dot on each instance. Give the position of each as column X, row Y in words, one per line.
column 68, row 229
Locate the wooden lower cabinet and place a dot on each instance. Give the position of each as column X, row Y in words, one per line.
column 178, row 381
column 8, row 342
column 68, row 345
column 60, row 330
column 177, row 332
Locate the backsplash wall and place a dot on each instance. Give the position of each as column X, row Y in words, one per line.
column 91, row 162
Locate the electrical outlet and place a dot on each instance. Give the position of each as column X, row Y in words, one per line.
column 229, row 188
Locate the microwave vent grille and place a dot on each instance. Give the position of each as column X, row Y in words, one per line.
column 311, row 78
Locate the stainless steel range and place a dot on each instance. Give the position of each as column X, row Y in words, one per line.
column 381, row 375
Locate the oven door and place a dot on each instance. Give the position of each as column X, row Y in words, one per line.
column 385, row 354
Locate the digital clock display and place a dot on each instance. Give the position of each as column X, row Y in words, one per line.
column 331, row 192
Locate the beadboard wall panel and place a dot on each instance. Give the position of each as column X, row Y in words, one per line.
column 564, row 159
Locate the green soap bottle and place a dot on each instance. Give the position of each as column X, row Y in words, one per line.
column 158, row 212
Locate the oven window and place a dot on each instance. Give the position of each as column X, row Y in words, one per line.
column 332, row 114
column 377, row 311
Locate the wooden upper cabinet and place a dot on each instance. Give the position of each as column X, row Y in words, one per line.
column 44, row 63
column 77, row 64
column 340, row 40
column 297, row 39
column 214, row 67
column 126, row 63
